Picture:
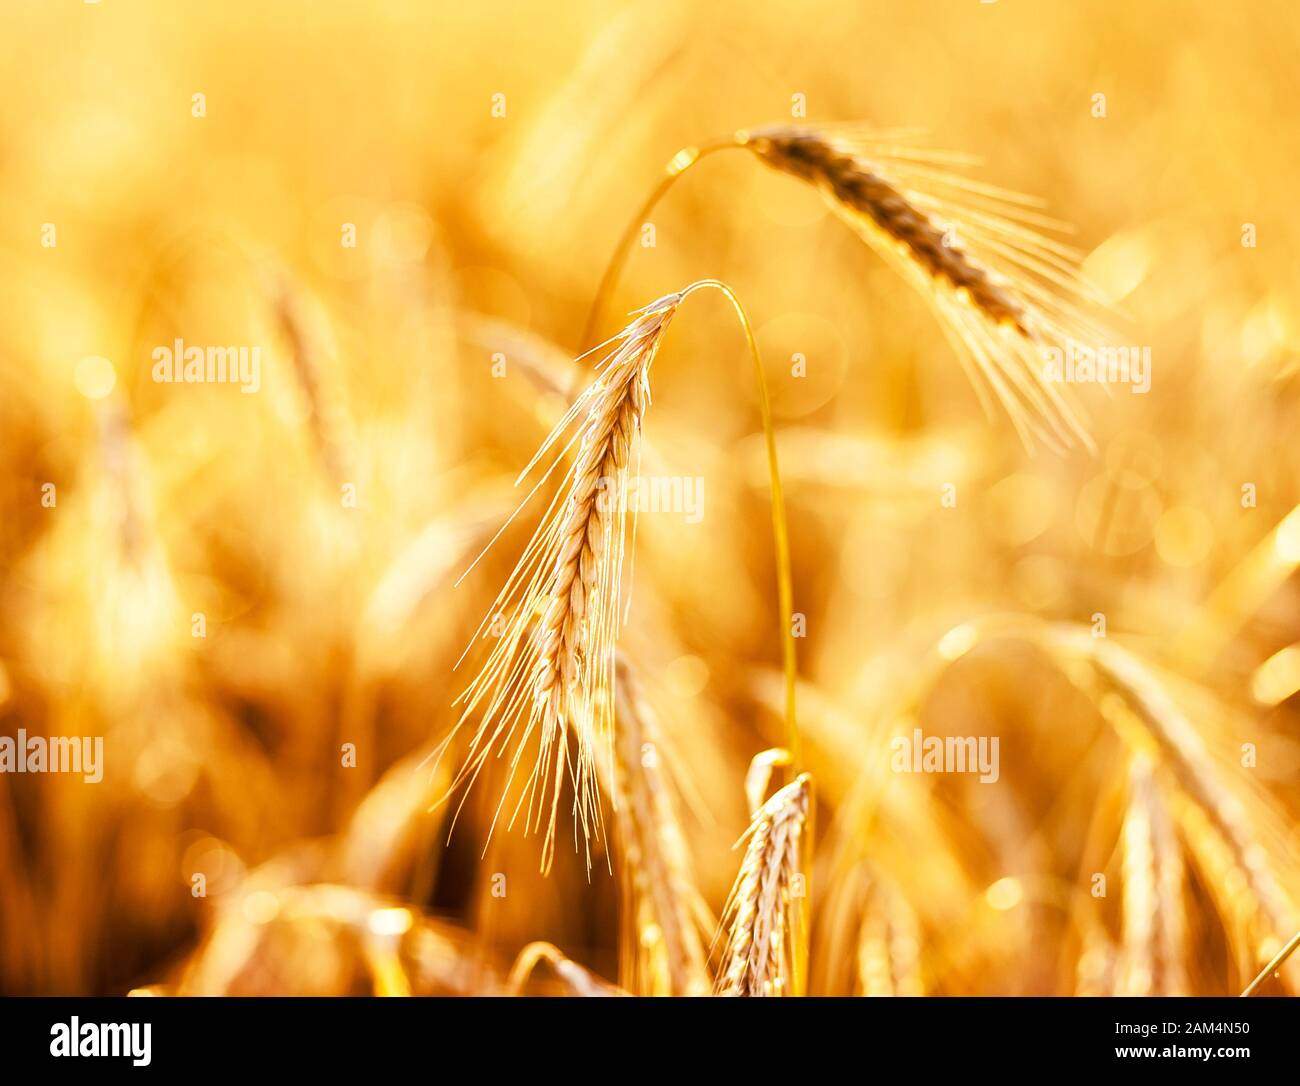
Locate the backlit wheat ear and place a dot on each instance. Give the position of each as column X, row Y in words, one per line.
column 556, row 620
column 667, row 903
column 1009, row 297
column 1154, row 916
column 889, row 944
column 761, row 918
column 1005, row 293
column 1225, row 827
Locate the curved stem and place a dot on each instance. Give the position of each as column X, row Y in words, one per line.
column 682, row 161
column 785, row 596
column 780, row 532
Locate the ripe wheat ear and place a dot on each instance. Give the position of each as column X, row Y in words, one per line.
column 760, row 921
column 550, row 672
column 557, row 617
column 1009, row 297
column 1154, row 910
column 666, row 904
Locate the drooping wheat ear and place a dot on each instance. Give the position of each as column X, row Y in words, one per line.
column 1232, row 834
column 761, row 918
column 1004, row 292
column 556, row 620
column 1154, row 910
column 1009, row 297
column 667, row 903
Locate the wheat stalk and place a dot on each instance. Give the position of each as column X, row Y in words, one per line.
column 758, row 956
column 1279, row 959
column 1095, row 969
column 1006, row 293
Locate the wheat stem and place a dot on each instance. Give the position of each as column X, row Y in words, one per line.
column 682, row 161
column 780, row 530
column 1275, row 964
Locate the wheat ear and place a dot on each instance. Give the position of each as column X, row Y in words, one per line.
column 1154, row 916
column 557, row 617
column 556, row 621
column 1008, row 295
column 324, row 412
column 760, row 920
column 667, row 901
column 1220, row 823
column 888, row 944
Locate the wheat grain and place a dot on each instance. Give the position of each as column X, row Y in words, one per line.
column 760, row 919
column 1200, row 778
column 1222, row 823
column 557, row 619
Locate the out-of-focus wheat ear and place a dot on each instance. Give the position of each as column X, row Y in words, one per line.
column 1095, row 969
column 888, row 947
column 1248, row 922
column 666, row 899
column 576, row 979
column 760, row 923
column 1154, row 925
column 1228, row 822
column 325, row 413
column 1221, row 822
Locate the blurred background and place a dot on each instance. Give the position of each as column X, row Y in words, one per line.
column 389, row 200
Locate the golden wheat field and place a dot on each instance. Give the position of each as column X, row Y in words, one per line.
column 649, row 498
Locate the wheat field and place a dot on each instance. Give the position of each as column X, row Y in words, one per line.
column 649, row 499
